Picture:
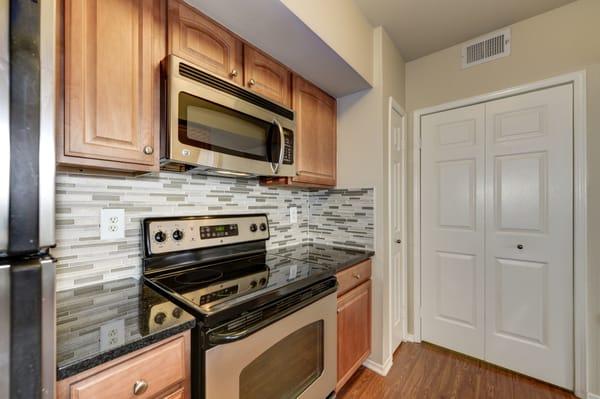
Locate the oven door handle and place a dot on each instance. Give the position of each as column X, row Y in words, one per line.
column 215, row 338
column 275, row 166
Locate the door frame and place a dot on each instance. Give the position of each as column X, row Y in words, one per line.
column 580, row 238
column 394, row 106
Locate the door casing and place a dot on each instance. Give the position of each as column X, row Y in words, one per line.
column 580, row 261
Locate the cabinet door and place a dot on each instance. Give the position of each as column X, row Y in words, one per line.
column 266, row 76
column 354, row 331
column 316, row 116
column 112, row 54
column 198, row 39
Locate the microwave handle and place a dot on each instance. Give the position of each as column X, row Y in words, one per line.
column 275, row 166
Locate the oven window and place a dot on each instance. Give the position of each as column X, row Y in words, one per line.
column 211, row 126
column 287, row 368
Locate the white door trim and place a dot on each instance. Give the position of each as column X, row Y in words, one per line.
column 394, row 106
column 578, row 80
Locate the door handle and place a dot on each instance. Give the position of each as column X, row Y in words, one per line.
column 520, row 246
column 275, row 167
column 399, row 241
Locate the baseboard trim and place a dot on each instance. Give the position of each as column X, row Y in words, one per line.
column 410, row 338
column 381, row 369
column 592, row 396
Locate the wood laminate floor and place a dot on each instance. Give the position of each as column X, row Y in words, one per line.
column 427, row 371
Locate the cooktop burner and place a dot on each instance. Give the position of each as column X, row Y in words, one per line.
column 198, row 276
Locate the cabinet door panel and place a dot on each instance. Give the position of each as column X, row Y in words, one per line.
column 198, row 39
column 111, row 80
column 354, row 331
column 266, row 76
column 316, row 116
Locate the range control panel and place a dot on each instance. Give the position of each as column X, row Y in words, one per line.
column 164, row 235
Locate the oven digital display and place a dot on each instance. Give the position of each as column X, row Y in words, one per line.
column 213, row 296
column 218, row 231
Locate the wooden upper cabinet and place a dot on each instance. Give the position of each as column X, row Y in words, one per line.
column 196, row 38
column 316, row 116
column 112, row 53
column 266, row 76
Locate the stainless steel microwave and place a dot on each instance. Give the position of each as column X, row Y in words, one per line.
column 215, row 127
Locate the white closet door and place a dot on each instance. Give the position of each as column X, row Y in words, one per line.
column 452, row 193
column 529, row 234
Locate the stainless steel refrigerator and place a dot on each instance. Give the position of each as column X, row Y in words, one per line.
column 27, row 168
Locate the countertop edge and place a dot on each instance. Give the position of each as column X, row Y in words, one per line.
column 354, row 261
column 91, row 362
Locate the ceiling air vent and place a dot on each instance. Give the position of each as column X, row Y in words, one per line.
column 486, row 48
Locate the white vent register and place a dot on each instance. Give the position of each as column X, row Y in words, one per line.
column 486, row 48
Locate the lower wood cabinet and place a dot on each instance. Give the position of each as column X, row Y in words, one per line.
column 353, row 320
column 160, row 371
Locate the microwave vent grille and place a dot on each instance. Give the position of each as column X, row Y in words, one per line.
column 214, row 82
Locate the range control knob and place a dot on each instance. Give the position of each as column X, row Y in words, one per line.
column 253, row 227
column 263, row 281
column 177, row 235
column 160, row 318
column 160, row 236
column 177, row 313
column 263, row 226
column 253, row 284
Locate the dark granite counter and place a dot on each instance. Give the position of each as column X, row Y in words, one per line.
column 337, row 258
column 99, row 323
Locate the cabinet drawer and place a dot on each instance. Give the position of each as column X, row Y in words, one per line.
column 160, row 368
column 353, row 276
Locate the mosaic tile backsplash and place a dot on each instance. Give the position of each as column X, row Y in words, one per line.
column 340, row 217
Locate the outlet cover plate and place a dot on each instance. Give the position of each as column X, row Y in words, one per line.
column 112, row 334
column 112, row 224
column 293, row 214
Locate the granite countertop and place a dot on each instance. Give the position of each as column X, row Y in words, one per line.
column 335, row 257
column 98, row 323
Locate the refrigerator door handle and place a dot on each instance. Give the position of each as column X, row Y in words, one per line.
column 4, row 126
column 48, row 373
column 4, row 331
column 47, row 159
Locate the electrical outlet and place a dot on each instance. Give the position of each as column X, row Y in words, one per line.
column 112, row 224
column 112, row 334
column 293, row 214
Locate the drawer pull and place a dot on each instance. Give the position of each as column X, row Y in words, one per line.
column 140, row 387
column 251, row 82
column 356, row 276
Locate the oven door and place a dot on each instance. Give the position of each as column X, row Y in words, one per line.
column 294, row 357
column 214, row 125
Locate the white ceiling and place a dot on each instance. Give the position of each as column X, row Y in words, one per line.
column 421, row 27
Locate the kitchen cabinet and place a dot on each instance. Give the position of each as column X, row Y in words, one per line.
column 266, row 76
column 158, row 371
column 353, row 320
column 196, row 38
column 111, row 108
column 316, row 137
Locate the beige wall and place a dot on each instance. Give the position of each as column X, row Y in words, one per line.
column 564, row 40
column 341, row 25
column 362, row 162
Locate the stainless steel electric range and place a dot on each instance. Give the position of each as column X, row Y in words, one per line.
column 266, row 324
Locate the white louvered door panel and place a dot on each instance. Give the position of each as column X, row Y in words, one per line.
column 452, row 212
column 529, row 234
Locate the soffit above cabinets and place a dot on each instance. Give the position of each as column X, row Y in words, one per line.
column 272, row 27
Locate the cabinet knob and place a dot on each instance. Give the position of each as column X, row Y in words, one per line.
column 140, row 387
column 251, row 82
column 234, row 73
column 148, row 150
column 520, row 246
column 356, row 276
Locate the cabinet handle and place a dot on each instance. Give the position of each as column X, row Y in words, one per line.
column 233, row 73
column 148, row 150
column 251, row 82
column 356, row 275
column 339, row 310
column 140, row 387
